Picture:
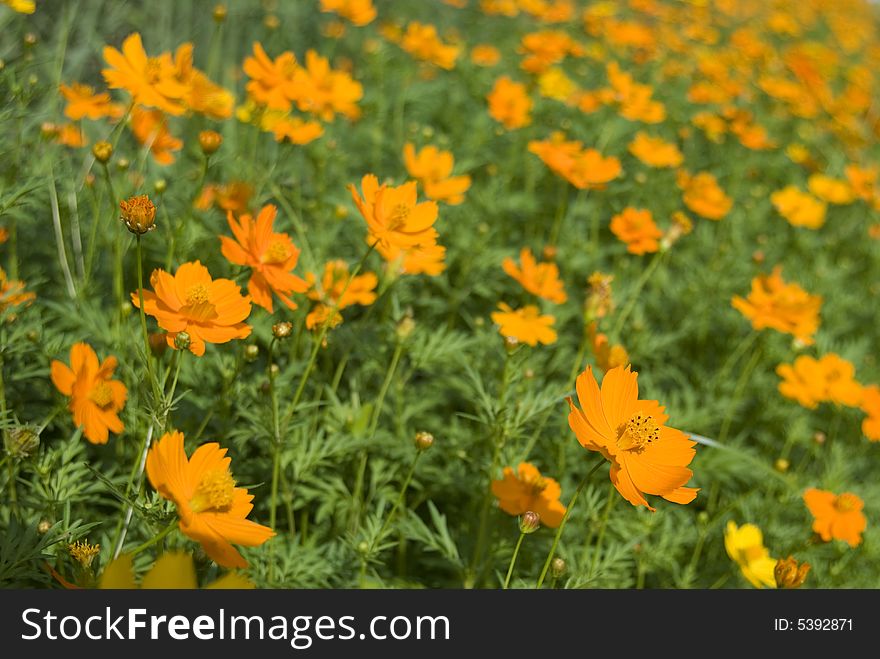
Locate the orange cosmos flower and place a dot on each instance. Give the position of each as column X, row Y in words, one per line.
column 329, row 293
column 208, row 310
column 393, row 216
column 421, row 41
column 419, row 260
column 151, row 81
column 359, row 12
column 323, row 91
column 202, row 95
column 704, row 196
column 832, row 190
column 863, row 181
column 150, row 129
column 655, row 151
column 836, row 516
column 212, row 509
column 646, row 456
column 526, row 490
column 800, row 209
column 234, row 196
column 636, row 228
column 433, row 169
column 95, row 398
column 541, row 279
column 69, row 135
column 592, row 171
column 509, row 103
column 782, row 306
column 557, row 153
column 812, row 381
column 871, row 406
column 526, row 325
column 271, row 257
column 607, row 356
column 485, row 55
column 82, row 101
column 12, row 293
column 271, row 81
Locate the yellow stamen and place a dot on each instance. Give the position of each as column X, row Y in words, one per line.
column 846, row 502
column 101, row 394
column 214, row 492
column 398, row 216
column 638, row 432
column 276, row 253
column 83, row 553
column 197, row 294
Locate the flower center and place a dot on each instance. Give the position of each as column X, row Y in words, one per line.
column 398, row 216
column 101, row 394
column 154, row 70
column 846, row 502
column 537, row 485
column 196, row 294
column 277, row 253
column 214, row 492
column 638, row 432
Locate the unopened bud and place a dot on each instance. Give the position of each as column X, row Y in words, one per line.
column 282, row 330
column 158, row 343
column 529, row 522
column 405, row 327
column 789, row 574
column 122, row 164
column 781, row 465
column 271, row 22
column 139, row 214
column 819, row 437
column 550, row 252
column 102, row 151
column 210, row 141
column 44, row 526
column 423, row 440
column 181, row 341
column 160, row 185
column 511, row 344
column 557, row 567
column 83, row 553
column 22, row 441
column 251, row 352
column 219, row 13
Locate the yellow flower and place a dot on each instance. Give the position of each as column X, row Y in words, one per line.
column 172, row 570
column 745, row 545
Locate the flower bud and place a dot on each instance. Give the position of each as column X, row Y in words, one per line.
column 789, row 574
column 102, row 151
column 282, row 330
column 511, row 344
column 529, row 522
column 181, row 341
column 219, row 13
column 160, row 185
column 423, row 440
column 83, row 553
column 122, row 164
column 557, row 567
column 139, row 214
column 21, row 441
column 210, row 141
column 158, row 343
column 405, row 327
column 44, row 526
column 819, row 437
column 251, row 352
column 781, row 465
column 272, row 22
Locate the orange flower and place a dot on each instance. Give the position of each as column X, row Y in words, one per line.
column 211, row 508
column 836, row 516
column 201, row 95
column 591, row 171
column 419, row 260
column 433, row 169
column 329, row 294
column 70, row 135
column 557, row 153
column 541, row 279
column 393, row 216
column 646, row 456
column 636, row 228
column 82, row 101
column 509, row 103
column 485, row 55
column 208, row 310
column 271, row 257
column 359, row 12
column 812, row 381
column 703, row 195
column 95, row 398
column 151, row 81
column 12, row 293
column 832, row 190
column 799, row 208
column 526, row 490
column 233, row 196
column 655, row 151
column 421, row 41
column 271, row 81
column 607, row 356
column 293, row 129
column 863, row 181
column 871, row 406
column 323, row 91
column 785, row 307
column 150, row 129
column 526, row 325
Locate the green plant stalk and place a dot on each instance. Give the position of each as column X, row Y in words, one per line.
column 559, row 530
column 156, row 538
column 634, row 295
column 397, row 503
column 357, row 495
column 118, row 284
column 154, row 384
column 276, row 458
column 597, row 549
column 737, row 394
column 561, row 206
column 11, row 465
column 513, row 561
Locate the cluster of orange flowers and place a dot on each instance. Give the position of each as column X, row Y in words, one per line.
column 585, row 169
column 780, row 305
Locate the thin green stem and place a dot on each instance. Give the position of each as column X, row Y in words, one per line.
column 398, row 502
column 559, row 530
column 744, row 345
column 561, row 205
column 597, row 549
column 118, row 284
column 276, row 455
column 737, row 394
column 154, row 384
column 156, row 538
column 513, row 561
column 634, row 294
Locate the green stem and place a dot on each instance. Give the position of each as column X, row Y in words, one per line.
column 118, row 284
column 597, row 550
column 513, row 561
column 276, row 457
column 157, row 538
column 154, row 384
column 568, row 508
column 561, row 204
column 400, row 498
column 744, row 345
column 737, row 394
column 634, row 295
column 11, row 467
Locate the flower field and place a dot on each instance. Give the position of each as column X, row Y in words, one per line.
column 441, row 294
